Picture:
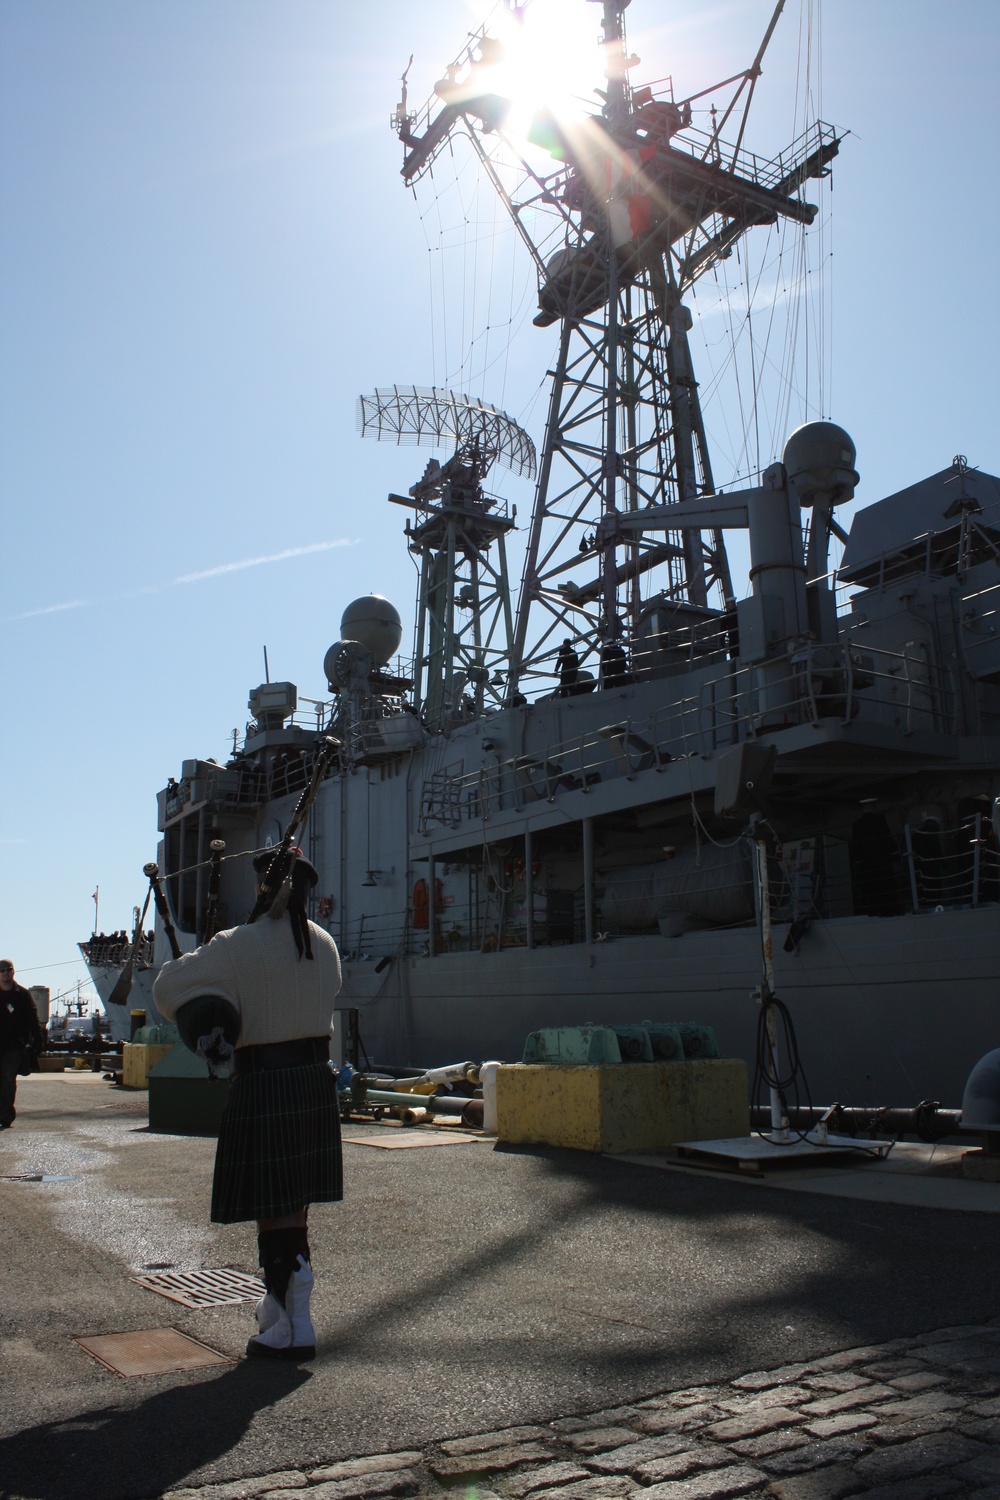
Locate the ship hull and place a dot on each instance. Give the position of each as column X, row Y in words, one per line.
column 105, row 977
column 886, row 1010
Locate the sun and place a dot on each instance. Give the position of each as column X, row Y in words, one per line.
column 550, row 59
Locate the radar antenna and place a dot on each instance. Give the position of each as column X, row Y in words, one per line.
column 464, row 619
column 415, row 415
column 636, row 202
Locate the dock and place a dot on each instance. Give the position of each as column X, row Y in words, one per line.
column 509, row 1322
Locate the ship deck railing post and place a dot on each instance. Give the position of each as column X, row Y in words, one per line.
column 849, row 675
column 911, row 866
column 587, row 829
column 626, row 744
column 976, row 855
column 908, row 679
column 529, row 891
column 654, row 737
column 810, row 687
column 703, row 751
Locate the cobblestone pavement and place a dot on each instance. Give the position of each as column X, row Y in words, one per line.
column 913, row 1419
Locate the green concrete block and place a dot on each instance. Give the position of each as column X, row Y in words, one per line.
column 183, row 1099
column 572, row 1044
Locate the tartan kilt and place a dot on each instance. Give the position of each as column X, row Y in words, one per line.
column 279, row 1144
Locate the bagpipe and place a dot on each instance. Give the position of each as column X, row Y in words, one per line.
column 209, row 1025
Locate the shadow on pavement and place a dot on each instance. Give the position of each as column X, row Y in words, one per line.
column 661, row 1279
column 127, row 1453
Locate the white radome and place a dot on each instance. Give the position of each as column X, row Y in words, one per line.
column 376, row 623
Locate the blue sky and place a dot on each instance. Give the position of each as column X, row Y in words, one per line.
column 206, row 254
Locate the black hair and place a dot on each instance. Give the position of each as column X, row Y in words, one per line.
column 303, row 880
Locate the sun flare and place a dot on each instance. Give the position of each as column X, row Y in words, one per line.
column 551, row 60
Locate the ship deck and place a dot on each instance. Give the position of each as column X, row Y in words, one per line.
column 461, row 1289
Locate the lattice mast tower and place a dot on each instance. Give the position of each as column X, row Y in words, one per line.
column 464, row 626
column 637, row 206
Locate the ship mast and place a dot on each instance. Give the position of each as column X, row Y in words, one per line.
column 636, row 206
column 456, row 532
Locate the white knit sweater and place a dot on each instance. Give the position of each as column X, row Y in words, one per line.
column 278, row 995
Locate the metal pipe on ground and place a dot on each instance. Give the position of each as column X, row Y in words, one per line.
column 434, row 1104
column 471, row 1113
column 927, row 1121
column 415, row 1116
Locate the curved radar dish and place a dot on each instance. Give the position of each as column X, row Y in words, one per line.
column 411, row 415
column 348, row 666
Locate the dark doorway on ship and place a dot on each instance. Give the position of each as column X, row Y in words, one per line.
column 875, row 867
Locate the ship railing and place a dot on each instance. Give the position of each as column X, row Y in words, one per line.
column 904, row 690
column 111, row 952
column 288, row 774
column 775, row 172
column 373, row 937
column 817, row 685
column 941, row 552
column 496, row 919
column 955, row 867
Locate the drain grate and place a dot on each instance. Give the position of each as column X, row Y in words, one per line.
column 154, row 1351
column 202, row 1288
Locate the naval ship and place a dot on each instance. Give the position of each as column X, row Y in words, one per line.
column 625, row 789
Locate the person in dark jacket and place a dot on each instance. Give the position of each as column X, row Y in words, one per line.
column 19, row 1030
column 568, row 667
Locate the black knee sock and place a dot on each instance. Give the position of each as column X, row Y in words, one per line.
column 279, row 1251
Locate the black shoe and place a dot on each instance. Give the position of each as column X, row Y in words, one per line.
column 265, row 1351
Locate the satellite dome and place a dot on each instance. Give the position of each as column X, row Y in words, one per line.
column 819, row 458
column 376, row 624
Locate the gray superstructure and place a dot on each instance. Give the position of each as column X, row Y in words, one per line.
column 548, row 816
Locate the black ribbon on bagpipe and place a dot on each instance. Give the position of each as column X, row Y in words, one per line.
column 152, row 873
column 285, row 854
column 217, row 849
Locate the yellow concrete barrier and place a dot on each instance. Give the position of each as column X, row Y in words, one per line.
column 616, row 1107
column 138, row 1058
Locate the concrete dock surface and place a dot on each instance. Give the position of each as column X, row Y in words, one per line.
column 522, row 1323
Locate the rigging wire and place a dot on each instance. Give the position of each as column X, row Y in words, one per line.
column 796, row 283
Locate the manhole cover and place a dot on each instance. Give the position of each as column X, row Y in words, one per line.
column 203, row 1288
column 154, row 1351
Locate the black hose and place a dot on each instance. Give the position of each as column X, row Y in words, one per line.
column 792, row 1080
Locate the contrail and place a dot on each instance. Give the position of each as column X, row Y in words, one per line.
column 52, row 609
column 232, row 567
column 256, row 562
